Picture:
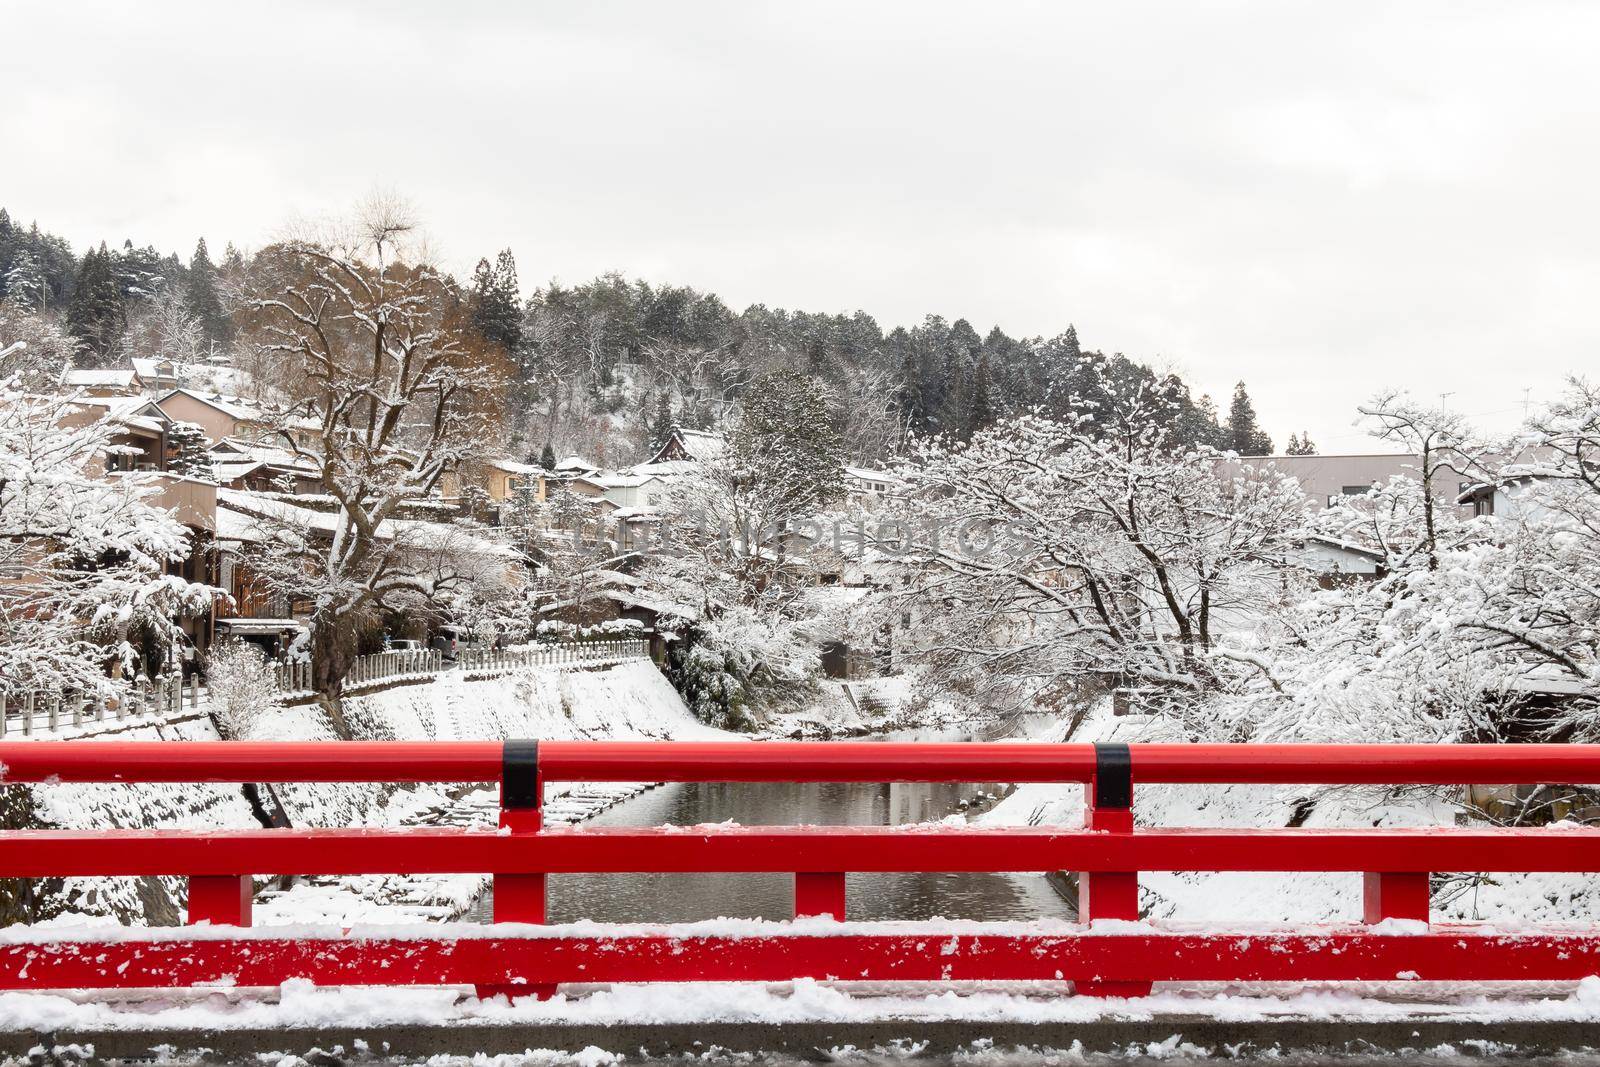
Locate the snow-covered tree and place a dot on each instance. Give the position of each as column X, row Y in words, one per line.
column 33, row 349
column 394, row 390
column 24, row 281
column 82, row 555
column 1464, row 612
column 730, row 585
column 1445, row 450
column 191, row 452
column 167, row 329
column 1043, row 553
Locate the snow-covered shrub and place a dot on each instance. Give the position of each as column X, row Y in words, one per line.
column 244, row 689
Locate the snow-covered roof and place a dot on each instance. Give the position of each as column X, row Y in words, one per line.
column 703, row 444
column 619, row 480
column 244, row 511
column 1345, row 546
column 238, row 407
column 135, row 412
column 666, row 468
column 697, row 445
column 869, row 474
column 112, row 377
column 575, row 463
column 511, row 466
column 151, row 367
column 233, row 471
column 231, row 449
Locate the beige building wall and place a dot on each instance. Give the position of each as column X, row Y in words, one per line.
column 181, row 407
column 194, row 503
column 1323, row 477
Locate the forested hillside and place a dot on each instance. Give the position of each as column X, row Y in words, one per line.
column 603, row 368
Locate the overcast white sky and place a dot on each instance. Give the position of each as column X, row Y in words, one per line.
column 1322, row 199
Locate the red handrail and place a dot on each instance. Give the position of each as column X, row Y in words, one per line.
column 1108, row 854
column 791, row 761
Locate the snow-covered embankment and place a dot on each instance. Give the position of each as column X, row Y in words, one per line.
column 628, row 701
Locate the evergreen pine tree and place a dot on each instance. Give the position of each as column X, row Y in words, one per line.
column 1069, row 344
column 981, row 414
column 1245, row 435
column 95, row 315
column 547, row 457
column 138, row 272
column 787, row 442
column 913, row 411
column 191, row 456
column 1300, row 445
column 8, row 248
column 660, row 424
column 496, row 301
column 203, row 299
column 23, row 282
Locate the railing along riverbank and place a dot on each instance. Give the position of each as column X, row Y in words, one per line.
column 1397, row 939
column 167, row 698
column 387, row 668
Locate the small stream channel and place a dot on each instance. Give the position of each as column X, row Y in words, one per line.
column 693, row 897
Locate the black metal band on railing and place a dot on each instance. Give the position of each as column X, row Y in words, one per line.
column 519, row 775
column 1113, row 776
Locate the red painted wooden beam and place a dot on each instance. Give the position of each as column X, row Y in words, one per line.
column 789, row 761
column 813, row 761
column 82, row 853
column 510, row 959
column 250, row 761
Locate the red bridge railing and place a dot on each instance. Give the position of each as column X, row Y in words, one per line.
column 517, row 954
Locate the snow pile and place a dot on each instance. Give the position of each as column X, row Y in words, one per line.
column 299, row 1004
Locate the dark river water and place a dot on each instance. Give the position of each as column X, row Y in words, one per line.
column 691, row 897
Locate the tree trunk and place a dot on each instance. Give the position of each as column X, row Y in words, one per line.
column 333, row 651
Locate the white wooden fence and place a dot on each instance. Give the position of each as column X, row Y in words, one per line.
column 385, row 668
column 166, row 698
column 159, row 699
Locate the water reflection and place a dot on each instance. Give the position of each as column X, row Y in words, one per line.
column 691, row 897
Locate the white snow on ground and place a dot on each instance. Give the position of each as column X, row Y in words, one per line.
column 628, row 701
column 298, row 1003
column 631, row 701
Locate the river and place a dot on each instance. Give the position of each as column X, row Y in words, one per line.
column 691, row 897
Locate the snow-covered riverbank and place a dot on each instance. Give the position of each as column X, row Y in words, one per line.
column 629, row 701
column 1297, row 896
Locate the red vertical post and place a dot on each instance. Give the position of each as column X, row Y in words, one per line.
column 220, row 899
column 819, row 893
column 520, row 898
column 1108, row 807
column 1394, row 895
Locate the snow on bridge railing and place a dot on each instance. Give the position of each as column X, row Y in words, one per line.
column 1396, row 940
